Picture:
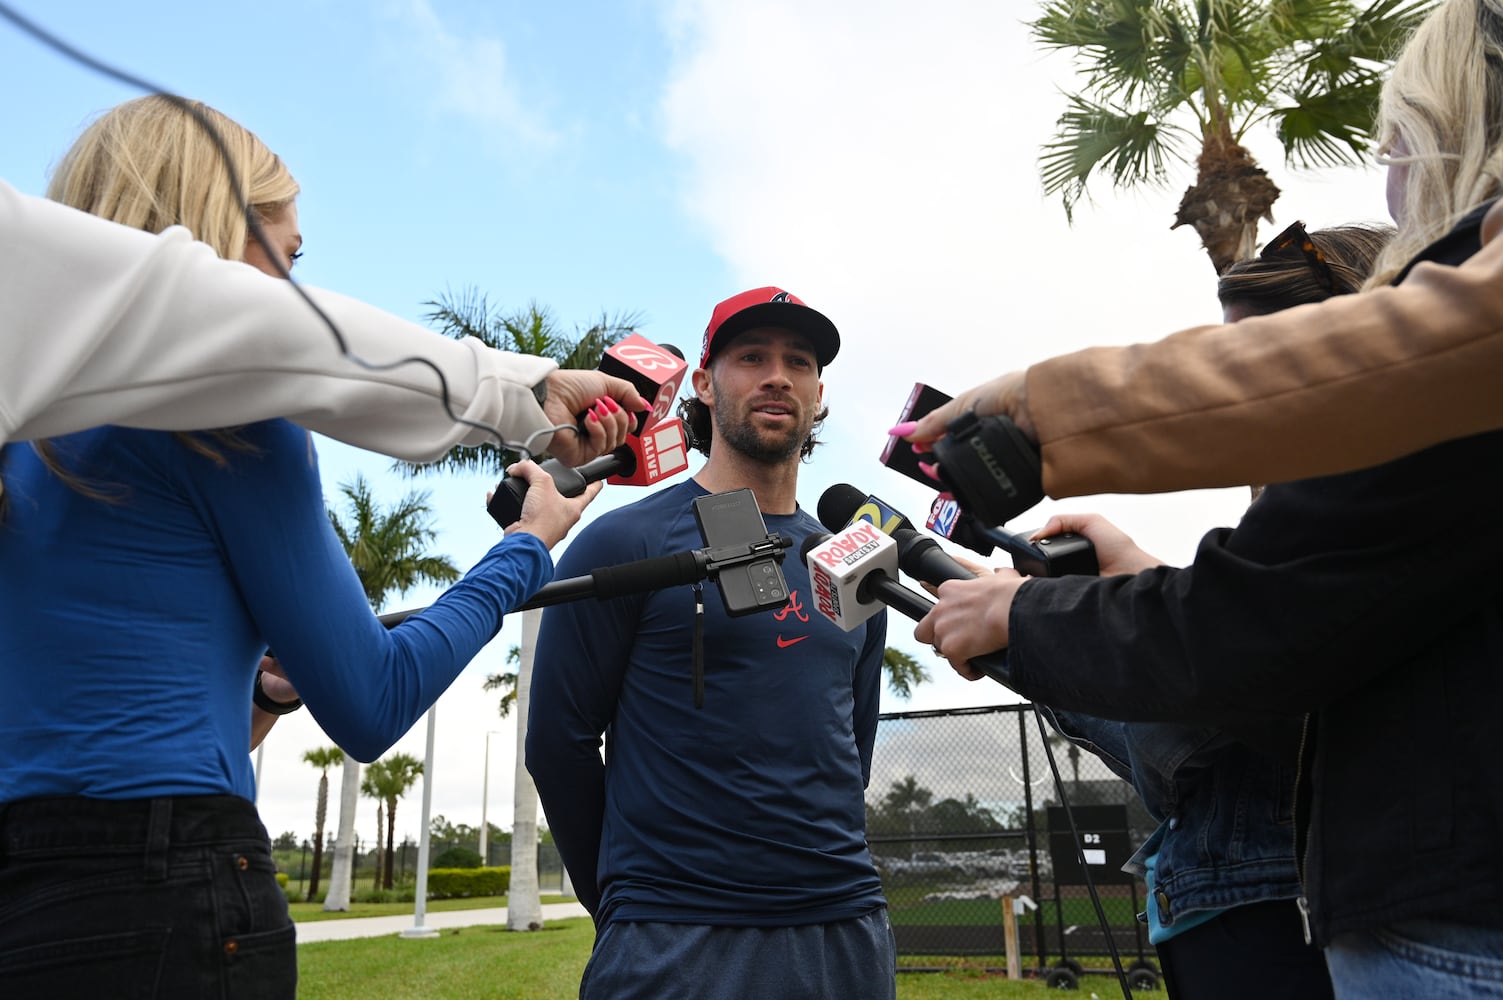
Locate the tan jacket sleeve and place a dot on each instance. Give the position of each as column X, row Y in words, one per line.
column 101, row 324
column 1352, row 382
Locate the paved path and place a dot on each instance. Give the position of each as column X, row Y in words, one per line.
column 358, row 927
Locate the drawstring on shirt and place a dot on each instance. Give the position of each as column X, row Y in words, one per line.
column 699, row 647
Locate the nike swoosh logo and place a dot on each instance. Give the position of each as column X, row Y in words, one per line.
column 785, row 643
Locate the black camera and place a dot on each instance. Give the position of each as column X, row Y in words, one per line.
column 995, row 474
column 990, row 467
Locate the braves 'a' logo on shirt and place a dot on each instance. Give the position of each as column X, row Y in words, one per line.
column 794, row 607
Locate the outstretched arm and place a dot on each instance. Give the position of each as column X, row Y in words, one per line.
column 1346, row 384
column 108, row 325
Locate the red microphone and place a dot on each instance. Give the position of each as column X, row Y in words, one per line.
column 656, row 370
column 661, row 451
column 640, row 461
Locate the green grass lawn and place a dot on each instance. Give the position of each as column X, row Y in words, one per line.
column 497, row 964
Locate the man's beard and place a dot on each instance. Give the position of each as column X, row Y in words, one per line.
column 768, row 447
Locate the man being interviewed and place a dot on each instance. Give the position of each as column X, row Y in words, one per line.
column 721, row 844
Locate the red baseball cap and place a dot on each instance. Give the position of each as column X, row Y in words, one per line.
column 769, row 307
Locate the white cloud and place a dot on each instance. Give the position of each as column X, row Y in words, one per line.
column 880, row 160
column 465, row 75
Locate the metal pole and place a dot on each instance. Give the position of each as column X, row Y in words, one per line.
column 485, row 791
column 260, row 754
column 420, row 900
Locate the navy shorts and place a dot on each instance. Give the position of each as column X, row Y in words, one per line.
column 851, row 959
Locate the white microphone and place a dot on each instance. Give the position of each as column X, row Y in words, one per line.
column 838, row 565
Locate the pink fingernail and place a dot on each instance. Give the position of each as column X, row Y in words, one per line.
column 592, row 418
column 919, row 449
column 904, row 429
column 600, row 408
column 932, row 471
column 612, row 405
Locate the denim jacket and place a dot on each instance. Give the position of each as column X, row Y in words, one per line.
column 1225, row 808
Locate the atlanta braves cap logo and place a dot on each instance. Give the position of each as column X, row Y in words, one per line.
column 781, row 297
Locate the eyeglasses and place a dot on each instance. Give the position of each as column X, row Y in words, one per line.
column 1294, row 243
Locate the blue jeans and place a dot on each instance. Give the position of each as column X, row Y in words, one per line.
column 141, row 898
column 851, row 959
column 1434, row 959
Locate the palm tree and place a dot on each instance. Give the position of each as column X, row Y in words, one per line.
column 505, row 681
column 322, row 758
column 1163, row 76
column 532, row 330
column 907, row 799
column 529, row 331
column 387, row 780
column 904, row 673
column 388, row 548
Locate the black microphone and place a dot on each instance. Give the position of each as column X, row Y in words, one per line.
column 643, row 575
column 947, row 520
column 644, row 459
column 506, row 503
column 919, row 555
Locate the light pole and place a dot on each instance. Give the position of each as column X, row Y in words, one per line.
column 485, row 792
column 420, row 895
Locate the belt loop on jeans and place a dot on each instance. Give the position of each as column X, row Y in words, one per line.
column 158, row 838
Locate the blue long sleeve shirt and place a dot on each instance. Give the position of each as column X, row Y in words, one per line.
column 749, row 811
column 131, row 629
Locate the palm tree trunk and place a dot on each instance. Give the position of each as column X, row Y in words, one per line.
column 318, row 831
column 391, row 836
column 340, row 878
column 379, row 854
column 524, row 906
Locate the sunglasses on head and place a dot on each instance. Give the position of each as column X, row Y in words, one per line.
column 1294, row 243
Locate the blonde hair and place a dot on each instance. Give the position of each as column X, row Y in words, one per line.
column 149, row 164
column 1444, row 100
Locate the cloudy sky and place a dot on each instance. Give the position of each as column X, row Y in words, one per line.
column 877, row 158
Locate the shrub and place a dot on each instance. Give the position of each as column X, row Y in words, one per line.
column 457, row 857
column 464, row 883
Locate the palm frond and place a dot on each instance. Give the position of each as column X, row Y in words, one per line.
column 1119, row 45
column 465, row 313
column 1319, row 129
column 904, row 673
column 1131, row 149
column 388, row 548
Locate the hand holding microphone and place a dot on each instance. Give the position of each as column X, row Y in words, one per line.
column 969, row 624
column 1006, row 395
column 543, row 511
column 853, row 574
column 650, row 445
column 641, row 461
column 573, row 396
column 990, row 466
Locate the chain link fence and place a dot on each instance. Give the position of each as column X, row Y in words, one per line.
column 964, row 815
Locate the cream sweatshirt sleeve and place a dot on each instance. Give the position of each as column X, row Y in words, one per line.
column 101, row 324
